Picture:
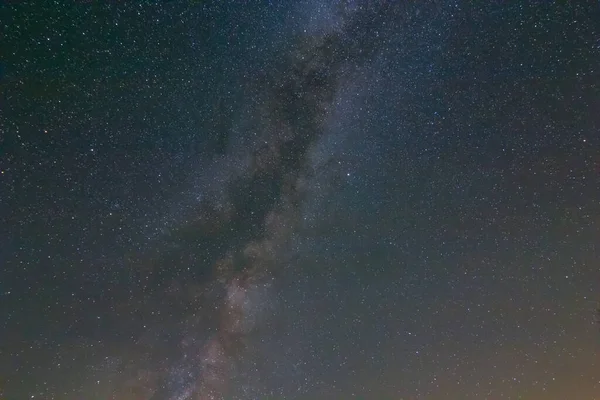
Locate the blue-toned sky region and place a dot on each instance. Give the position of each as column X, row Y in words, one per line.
column 205, row 200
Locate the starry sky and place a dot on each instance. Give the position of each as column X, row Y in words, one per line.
column 308, row 199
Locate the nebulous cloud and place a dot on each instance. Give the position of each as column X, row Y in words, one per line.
column 257, row 209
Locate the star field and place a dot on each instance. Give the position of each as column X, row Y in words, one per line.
column 210, row 200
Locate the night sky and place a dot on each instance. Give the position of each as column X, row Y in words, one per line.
column 306, row 200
